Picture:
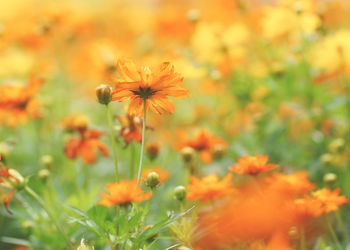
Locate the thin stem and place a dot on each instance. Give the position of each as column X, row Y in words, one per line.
column 117, row 227
column 49, row 213
column 132, row 162
column 143, row 141
column 112, row 138
column 341, row 225
column 333, row 234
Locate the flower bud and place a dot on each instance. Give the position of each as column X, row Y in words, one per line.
column 187, row 154
column 104, row 94
column 44, row 174
column 218, row 151
column 336, row 145
column 47, row 161
column 152, row 150
column 329, row 178
column 180, row 193
column 152, row 180
column 327, row 158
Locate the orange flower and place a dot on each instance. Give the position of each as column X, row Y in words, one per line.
column 330, row 201
column 204, row 143
column 163, row 175
column 131, row 128
column 86, row 146
column 209, row 187
column 292, row 184
column 9, row 178
column 252, row 165
column 123, row 193
column 320, row 202
column 17, row 103
column 143, row 85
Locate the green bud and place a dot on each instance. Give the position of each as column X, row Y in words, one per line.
column 104, row 94
column 152, row 180
column 330, row 178
column 187, row 154
column 180, row 193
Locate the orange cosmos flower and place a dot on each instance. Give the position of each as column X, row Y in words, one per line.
column 144, row 85
column 123, row 193
column 209, row 187
column 204, row 143
column 17, row 103
column 329, row 201
column 252, row 165
column 131, row 128
column 163, row 175
column 292, row 184
column 320, row 202
column 86, row 146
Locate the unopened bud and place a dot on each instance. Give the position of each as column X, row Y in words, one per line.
column 187, row 154
column 330, row 178
column 336, row 145
column 152, row 150
column 152, row 180
column 180, row 193
column 218, row 151
column 44, row 174
column 47, row 161
column 104, row 94
column 327, row 158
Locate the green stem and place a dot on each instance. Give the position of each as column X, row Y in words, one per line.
column 143, row 141
column 341, row 225
column 333, row 234
column 112, row 138
column 117, row 227
column 132, row 162
column 49, row 213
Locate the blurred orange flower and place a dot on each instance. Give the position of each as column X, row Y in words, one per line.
column 86, row 146
column 131, row 128
column 75, row 122
column 152, row 87
column 209, row 187
column 292, row 184
column 163, row 175
column 17, row 102
column 252, row 165
column 329, row 201
column 204, row 143
column 123, row 193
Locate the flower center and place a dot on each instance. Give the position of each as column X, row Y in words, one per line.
column 144, row 93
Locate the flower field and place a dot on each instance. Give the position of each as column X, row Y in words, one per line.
column 187, row 124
